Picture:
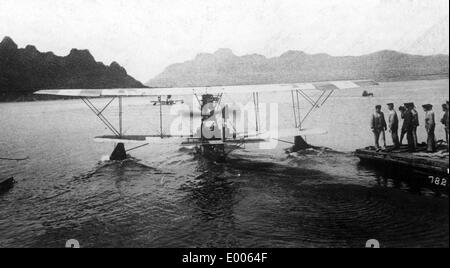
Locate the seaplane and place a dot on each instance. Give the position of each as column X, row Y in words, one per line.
column 217, row 136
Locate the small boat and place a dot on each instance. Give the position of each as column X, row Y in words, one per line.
column 367, row 94
column 7, row 183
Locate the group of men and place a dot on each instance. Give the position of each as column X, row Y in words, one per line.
column 410, row 118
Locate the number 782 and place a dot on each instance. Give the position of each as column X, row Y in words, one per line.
column 438, row 181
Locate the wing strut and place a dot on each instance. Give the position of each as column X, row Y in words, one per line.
column 119, row 152
column 257, row 116
column 315, row 104
column 296, row 109
column 160, row 117
column 120, row 117
column 224, row 124
column 99, row 114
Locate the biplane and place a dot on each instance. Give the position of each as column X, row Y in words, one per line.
column 216, row 136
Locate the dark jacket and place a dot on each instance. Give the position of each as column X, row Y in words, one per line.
column 408, row 123
column 415, row 117
column 378, row 122
column 445, row 119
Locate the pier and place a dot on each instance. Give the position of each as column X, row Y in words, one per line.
column 432, row 169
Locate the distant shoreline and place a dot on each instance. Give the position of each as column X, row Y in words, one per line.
column 13, row 97
column 415, row 78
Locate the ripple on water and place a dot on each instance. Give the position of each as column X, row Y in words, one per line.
column 246, row 202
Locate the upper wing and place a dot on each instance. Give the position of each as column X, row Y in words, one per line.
column 130, row 92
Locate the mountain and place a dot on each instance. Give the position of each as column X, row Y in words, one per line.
column 25, row 70
column 225, row 68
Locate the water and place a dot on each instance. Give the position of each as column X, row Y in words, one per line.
column 167, row 197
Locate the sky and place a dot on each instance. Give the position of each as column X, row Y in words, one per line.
column 145, row 36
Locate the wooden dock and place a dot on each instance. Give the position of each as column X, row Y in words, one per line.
column 432, row 168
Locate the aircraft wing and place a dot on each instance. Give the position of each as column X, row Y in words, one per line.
column 282, row 133
column 151, row 139
column 136, row 92
column 171, row 139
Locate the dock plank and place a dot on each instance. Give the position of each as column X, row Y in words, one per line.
column 434, row 163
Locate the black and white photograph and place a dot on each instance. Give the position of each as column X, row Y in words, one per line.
column 224, row 125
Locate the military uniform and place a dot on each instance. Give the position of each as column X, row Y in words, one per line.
column 416, row 124
column 379, row 126
column 403, row 130
column 408, row 125
column 445, row 122
column 430, row 126
column 393, row 128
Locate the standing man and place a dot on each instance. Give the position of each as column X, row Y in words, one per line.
column 408, row 124
column 393, row 125
column 430, row 126
column 416, row 123
column 445, row 121
column 402, row 110
column 379, row 126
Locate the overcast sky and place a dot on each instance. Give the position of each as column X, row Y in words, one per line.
column 146, row 36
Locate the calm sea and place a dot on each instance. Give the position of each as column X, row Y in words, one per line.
column 168, row 197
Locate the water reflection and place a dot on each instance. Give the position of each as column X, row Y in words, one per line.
column 413, row 181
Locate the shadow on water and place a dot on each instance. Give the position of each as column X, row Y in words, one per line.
column 352, row 170
column 216, row 197
column 110, row 206
column 6, row 185
column 411, row 180
column 246, row 202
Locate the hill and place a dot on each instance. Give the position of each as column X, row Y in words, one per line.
column 25, row 70
column 225, row 68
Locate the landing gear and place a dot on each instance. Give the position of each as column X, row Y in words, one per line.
column 119, row 153
column 316, row 103
column 300, row 144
